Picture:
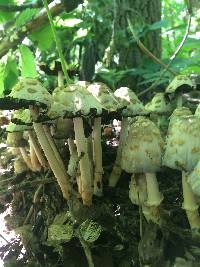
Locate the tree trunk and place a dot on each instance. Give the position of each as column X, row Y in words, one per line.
column 140, row 13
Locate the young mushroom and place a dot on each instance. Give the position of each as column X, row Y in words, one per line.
column 142, row 153
column 134, row 107
column 15, row 139
column 182, row 153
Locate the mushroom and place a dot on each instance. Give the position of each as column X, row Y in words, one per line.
column 134, row 106
column 142, row 153
column 30, row 93
column 179, row 85
column 19, row 166
column 159, row 108
column 76, row 102
column 15, row 139
column 23, row 117
column 182, row 153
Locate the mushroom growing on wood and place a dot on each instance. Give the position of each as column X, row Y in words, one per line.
column 142, row 153
column 134, row 107
column 182, row 153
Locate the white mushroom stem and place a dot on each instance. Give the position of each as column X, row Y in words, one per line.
column 190, row 204
column 53, row 146
column 98, row 169
column 117, row 170
column 36, row 146
column 60, row 174
column 60, row 78
column 34, row 159
column 26, row 158
column 85, row 163
column 179, row 101
column 154, row 196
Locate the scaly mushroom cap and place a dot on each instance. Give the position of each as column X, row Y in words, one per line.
column 32, row 92
column 73, row 100
column 104, row 96
column 180, row 82
column 143, row 148
column 159, row 104
column 194, row 179
column 21, row 117
column 179, row 112
column 128, row 99
column 183, row 143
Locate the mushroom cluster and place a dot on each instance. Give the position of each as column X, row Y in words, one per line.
column 75, row 113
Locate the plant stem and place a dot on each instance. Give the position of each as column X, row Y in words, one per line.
column 58, row 43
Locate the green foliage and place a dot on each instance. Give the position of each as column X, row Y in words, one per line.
column 5, row 16
column 27, row 62
column 43, row 38
column 25, row 16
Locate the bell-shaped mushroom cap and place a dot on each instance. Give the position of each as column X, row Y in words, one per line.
column 22, row 116
column 127, row 98
column 104, row 96
column 142, row 151
column 30, row 91
column 73, row 100
column 179, row 112
column 183, row 143
column 159, row 104
column 180, row 83
column 194, row 179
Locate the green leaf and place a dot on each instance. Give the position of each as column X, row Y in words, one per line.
column 27, row 62
column 43, row 37
column 5, row 16
column 25, row 16
column 11, row 73
column 158, row 24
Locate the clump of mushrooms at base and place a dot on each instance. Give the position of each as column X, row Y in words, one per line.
column 78, row 111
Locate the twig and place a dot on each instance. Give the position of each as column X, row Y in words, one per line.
column 14, row 8
column 172, row 58
column 146, row 50
column 57, row 40
column 4, row 239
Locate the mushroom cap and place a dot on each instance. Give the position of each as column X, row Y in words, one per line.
column 21, row 117
column 29, row 91
column 178, row 112
column 159, row 104
column 142, row 151
column 73, row 100
column 104, row 96
column 127, row 98
column 194, row 179
column 183, row 143
column 180, row 83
